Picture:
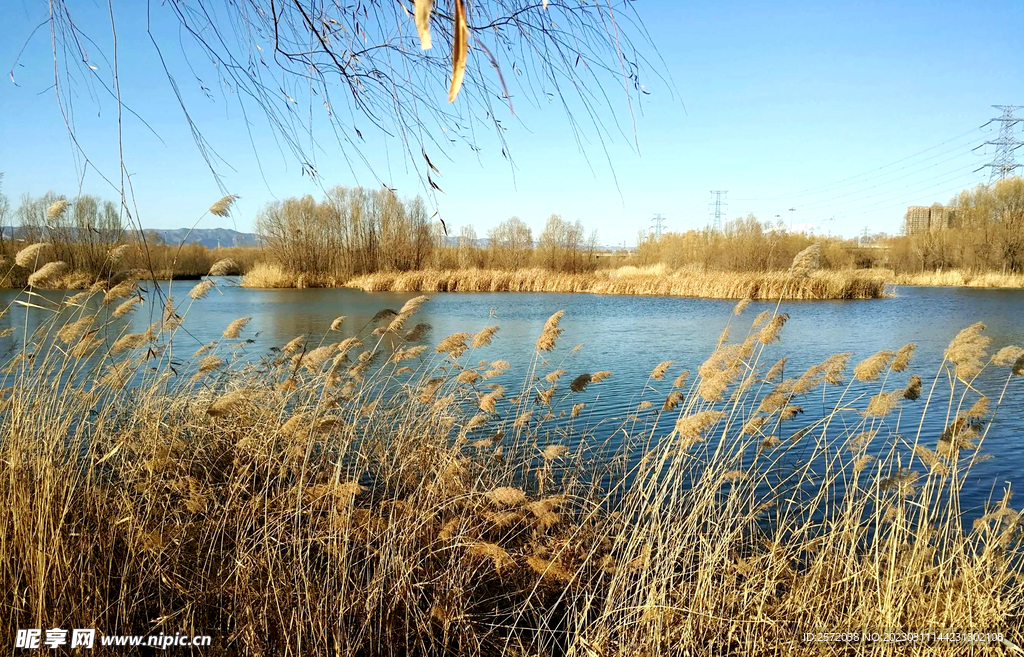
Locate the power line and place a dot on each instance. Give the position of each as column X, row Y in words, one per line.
column 887, row 189
column 718, row 209
column 1003, row 164
column 908, row 193
column 832, row 185
column 659, row 224
column 859, row 194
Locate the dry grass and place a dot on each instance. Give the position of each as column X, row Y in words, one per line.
column 959, row 278
column 366, row 506
column 266, row 275
column 135, row 260
column 652, row 281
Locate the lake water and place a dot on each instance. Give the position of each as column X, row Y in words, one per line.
column 630, row 335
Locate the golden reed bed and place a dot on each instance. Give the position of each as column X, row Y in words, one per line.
column 374, row 495
column 648, row 281
column 383, row 491
column 959, row 278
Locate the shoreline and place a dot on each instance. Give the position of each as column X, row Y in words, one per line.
column 822, row 285
column 626, row 281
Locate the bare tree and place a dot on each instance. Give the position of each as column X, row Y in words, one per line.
column 511, row 244
column 372, row 65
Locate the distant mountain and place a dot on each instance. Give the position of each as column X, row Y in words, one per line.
column 208, row 237
column 211, row 238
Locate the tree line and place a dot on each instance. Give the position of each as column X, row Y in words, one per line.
column 987, row 233
column 744, row 244
column 354, row 231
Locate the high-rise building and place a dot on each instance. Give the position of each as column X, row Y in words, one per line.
column 941, row 217
column 922, row 219
column 918, row 219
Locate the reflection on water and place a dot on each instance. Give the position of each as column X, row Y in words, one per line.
column 630, row 335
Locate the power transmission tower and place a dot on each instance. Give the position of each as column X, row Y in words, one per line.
column 1003, row 163
column 659, row 225
column 717, row 207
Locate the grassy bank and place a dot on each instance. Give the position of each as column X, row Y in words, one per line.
column 959, row 278
column 129, row 260
column 374, row 495
column 653, row 281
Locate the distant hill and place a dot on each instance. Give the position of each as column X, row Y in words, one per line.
column 211, row 238
column 208, row 237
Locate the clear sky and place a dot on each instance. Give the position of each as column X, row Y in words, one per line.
column 848, row 110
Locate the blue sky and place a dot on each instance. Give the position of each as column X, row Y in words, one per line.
column 844, row 110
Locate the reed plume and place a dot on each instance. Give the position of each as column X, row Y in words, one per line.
column 86, row 346
column 672, row 400
column 552, row 452
column 979, row 409
column 210, row 363
column 128, row 342
column 506, row 496
column 834, row 368
column 489, row 401
column 691, row 428
column 56, row 209
column 416, row 333
column 967, row 351
column 775, row 371
column 658, row 373
column 119, row 291
column 126, row 307
column 499, row 558
column 913, row 389
column 235, row 327
column 546, row 341
column 805, row 262
column 902, row 358
column 226, row 404
column 73, row 331
column 580, row 383
column 454, row 345
column 200, row 290
column 225, row 267
column 869, row 368
column 554, row 375
column 883, row 403
column 314, row 360
column 222, row 207
column 33, row 256
column 483, row 338
column 770, row 332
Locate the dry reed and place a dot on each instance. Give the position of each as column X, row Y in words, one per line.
column 378, row 510
column 683, row 283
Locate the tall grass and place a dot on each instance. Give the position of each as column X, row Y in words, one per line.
column 370, row 494
column 119, row 261
column 848, row 284
column 958, row 278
